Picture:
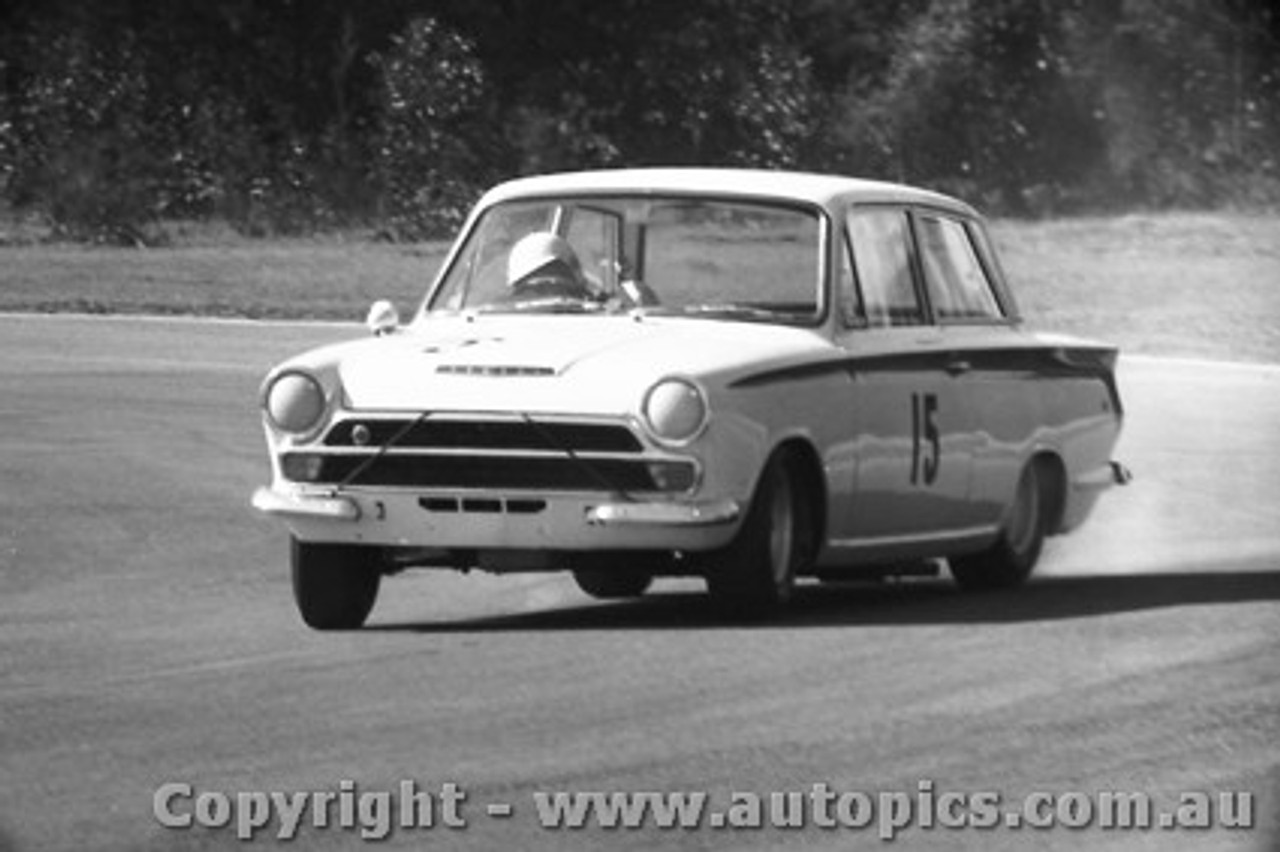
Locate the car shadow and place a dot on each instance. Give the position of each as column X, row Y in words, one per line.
column 905, row 602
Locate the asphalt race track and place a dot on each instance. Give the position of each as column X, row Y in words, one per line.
column 149, row 637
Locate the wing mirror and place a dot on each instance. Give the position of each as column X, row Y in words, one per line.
column 383, row 318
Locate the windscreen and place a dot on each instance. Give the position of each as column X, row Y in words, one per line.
column 685, row 255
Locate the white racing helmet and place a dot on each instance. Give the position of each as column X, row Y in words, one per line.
column 542, row 253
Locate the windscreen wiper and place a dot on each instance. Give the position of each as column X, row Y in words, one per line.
column 552, row 305
column 728, row 309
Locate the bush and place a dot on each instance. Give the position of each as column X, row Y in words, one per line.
column 435, row 141
column 83, row 148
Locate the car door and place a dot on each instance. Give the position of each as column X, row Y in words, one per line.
column 989, row 370
column 911, row 433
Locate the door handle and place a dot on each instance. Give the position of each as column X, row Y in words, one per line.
column 958, row 367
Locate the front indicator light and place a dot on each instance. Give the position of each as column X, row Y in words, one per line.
column 673, row 476
column 302, row 467
column 295, row 402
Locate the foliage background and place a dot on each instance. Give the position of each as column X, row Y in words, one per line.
column 297, row 116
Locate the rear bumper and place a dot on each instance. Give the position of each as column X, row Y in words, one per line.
column 1085, row 491
column 1104, row 476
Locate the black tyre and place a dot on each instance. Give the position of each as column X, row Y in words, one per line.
column 1010, row 561
column 335, row 585
column 611, row 585
column 756, row 574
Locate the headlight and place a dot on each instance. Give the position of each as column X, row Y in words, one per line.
column 295, row 403
column 675, row 411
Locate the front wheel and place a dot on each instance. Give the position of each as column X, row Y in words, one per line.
column 335, row 585
column 1010, row 560
column 605, row 584
column 756, row 573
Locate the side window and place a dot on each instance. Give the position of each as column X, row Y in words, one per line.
column 883, row 265
column 957, row 283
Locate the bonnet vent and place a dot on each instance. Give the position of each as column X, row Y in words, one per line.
column 494, row 370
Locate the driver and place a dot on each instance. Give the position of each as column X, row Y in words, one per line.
column 543, row 265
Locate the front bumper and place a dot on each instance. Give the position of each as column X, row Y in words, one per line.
column 562, row 522
column 314, row 506
column 664, row 514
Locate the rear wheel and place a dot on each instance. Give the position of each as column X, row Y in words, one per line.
column 756, row 573
column 1010, row 560
column 611, row 585
column 335, row 585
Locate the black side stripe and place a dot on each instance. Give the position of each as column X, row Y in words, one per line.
column 1040, row 363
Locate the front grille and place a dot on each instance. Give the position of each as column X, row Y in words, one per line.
column 536, row 473
column 498, row 453
column 453, row 434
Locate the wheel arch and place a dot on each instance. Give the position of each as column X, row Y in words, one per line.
column 808, row 467
column 1051, row 473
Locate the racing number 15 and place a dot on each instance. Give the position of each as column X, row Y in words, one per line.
column 926, row 443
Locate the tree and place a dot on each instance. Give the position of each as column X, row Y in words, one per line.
column 85, row 147
column 435, row 150
column 1187, row 94
column 284, row 115
column 976, row 99
column 582, row 84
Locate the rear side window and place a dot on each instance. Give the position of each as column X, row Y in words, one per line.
column 959, row 289
column 882, row 263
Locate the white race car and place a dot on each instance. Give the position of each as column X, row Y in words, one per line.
column 742, row 375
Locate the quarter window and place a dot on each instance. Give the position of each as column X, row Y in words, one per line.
column 957, row 283
column 852, row 311
column 883, row 265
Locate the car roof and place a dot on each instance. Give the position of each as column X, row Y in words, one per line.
column 820, row 189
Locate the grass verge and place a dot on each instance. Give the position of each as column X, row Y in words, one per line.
column 270, row 279
column 1198, row 285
